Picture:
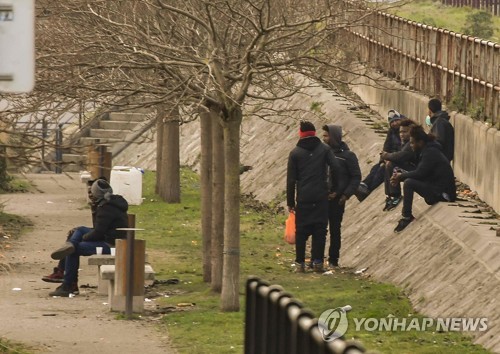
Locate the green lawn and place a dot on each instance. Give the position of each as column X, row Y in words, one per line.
column 436, row 14
column 174, row 248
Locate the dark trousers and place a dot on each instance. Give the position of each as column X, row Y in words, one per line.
column 318, row 234
column 390, row 190
column 425, row 190
column 376, row 177
column 335, row 215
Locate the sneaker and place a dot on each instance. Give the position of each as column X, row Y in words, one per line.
column 318, row 268
column 394, row 203
column 56, row 277
column 64, row 291
column 300, row 267
column 64, row 251
column 403, row 223
column 388, row 201
column 362, row 192
column 333, row 266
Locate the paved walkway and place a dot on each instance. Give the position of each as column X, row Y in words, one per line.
column 82, row 324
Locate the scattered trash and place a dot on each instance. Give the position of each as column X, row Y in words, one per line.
column 49, row 202
column 105, row 303
column 361, row 271
column 147, row 300
column 185, row 304
column 71, row 295
column 16, row 289
column 328, row 272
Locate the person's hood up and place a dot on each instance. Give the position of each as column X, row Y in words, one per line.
column 335, row 134
column 309, row 143
column 117, row 201
column 440, row 114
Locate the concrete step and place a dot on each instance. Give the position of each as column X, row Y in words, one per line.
column 87, row 140
column 127, row 117
column 117, row 125
column 108, row 133
column 73, row 167
column 74, row 158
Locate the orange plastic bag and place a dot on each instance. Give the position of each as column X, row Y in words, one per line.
column 290, row 229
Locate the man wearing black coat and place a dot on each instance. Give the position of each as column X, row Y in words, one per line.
column 433, row 178
column 349, row 177
column 307, row 193
column 441, row 128
column 110, row 214
column 401, row 160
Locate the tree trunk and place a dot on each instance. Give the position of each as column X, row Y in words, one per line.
column 231, row 267
column 217, row 203
column 170, row 181
column 159, row 143
column 206, row 192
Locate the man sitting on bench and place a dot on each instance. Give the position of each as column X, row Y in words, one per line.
column 110, row 214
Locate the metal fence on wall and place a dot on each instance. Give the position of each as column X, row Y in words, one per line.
column 487, row 5
column 434, row 61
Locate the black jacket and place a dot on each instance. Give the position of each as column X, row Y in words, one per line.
column 307, row 172
column 434, row 169
column 349, row 174
column 109, row 216
column 444, row 132
column 392, row 141
column 404, row 158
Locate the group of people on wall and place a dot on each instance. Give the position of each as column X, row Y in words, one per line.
column 323, row 175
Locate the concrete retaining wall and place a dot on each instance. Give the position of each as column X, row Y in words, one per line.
column 477, row 146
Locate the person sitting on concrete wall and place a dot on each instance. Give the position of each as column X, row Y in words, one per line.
column 404, row 160
column 433, row 178
column 441, row 127
column 349, row 176
column 392, row 144
column 111, row 213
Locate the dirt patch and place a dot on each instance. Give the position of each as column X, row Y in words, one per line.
column 82, row 324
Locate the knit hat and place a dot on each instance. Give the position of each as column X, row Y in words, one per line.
column 393, row 115
column 101, row 190
column 306, row 129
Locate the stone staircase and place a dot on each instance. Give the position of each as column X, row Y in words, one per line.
column 109, row 130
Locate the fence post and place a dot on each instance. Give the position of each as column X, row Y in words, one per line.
column 59, row 139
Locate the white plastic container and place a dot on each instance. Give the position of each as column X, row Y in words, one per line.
column 127, row 182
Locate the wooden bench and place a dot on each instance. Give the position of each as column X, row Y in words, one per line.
column 117, row 302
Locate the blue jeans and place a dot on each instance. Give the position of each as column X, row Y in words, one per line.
column 82, row 248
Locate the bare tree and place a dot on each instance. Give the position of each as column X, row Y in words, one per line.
column 188, row 53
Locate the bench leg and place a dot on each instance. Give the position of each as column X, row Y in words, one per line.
column 102, row 285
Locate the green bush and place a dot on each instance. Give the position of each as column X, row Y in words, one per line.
column 479, row 24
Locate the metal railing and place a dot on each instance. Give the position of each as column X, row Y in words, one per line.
column 435, row 61
column 276, row 323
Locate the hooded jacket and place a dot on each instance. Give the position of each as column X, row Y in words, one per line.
column 349, row 173
column 392, row 141
column 109, row 215
column 307, row 172
column 434, row 169
column 406, row 158
column 444, row 132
